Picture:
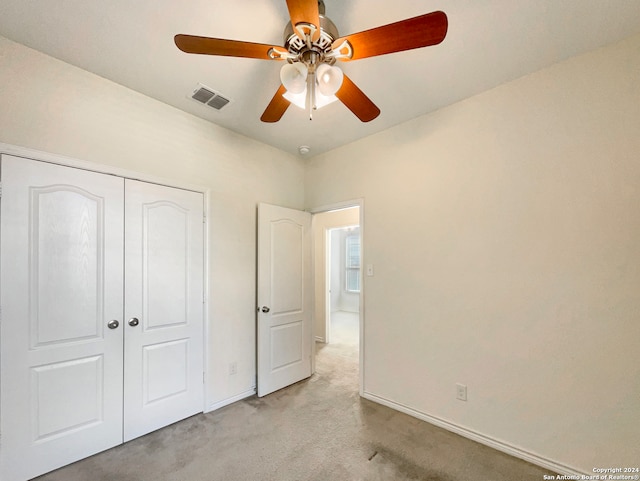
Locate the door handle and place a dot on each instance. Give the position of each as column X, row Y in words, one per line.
column 265, row 309
column 133, row 322
column 113, row 324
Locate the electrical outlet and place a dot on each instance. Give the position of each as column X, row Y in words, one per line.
column 233, row 368
column 461, row 392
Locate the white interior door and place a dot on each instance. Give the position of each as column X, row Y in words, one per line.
column 62, row 283
column 284, row 297
column 164, row 297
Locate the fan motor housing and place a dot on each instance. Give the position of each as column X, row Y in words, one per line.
column 296, row 45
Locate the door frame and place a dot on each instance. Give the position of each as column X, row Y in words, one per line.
column 51, row 158
column 361, row 314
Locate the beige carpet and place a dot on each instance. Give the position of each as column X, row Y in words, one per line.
column 319, row 429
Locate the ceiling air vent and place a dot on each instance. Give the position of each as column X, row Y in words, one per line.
column 209, row 97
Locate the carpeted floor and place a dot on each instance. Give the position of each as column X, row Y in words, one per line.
column 316, row 430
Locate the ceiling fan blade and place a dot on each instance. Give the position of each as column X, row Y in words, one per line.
column 305, row 11
column 356, row 101
column 416, row 32
column 228, row 48
column 277, row 107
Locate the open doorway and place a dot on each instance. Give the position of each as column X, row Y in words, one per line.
column 343, row 285
column 338, row 287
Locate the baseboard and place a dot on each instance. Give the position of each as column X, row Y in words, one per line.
column 514, row 451
column 231, row 400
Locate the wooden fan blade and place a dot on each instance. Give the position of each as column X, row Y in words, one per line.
column 416, row 32
column 356, row 101
column 277, row 107
column 227, row 48
column 305, row 11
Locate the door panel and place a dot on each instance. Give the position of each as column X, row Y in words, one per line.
column 287, row 345
column 66, row 243
column 164, row 291
column 52, row 414
column 287, row 266
column 61, row 366
column 284, row 287
column 165, row 237
column 165, row 367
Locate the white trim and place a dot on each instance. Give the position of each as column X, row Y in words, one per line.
column 507, row 448
column 347, row 204
column 33, row 154
column 206, row 332
column 231, row 400
column 361, row 307
column 327, row 266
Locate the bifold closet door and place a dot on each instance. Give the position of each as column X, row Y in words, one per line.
column 164, row 269
column 62, row 290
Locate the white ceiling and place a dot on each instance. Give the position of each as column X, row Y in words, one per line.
column 489, row 42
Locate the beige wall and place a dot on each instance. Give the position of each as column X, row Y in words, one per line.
column 518, row 270
column 51, row 106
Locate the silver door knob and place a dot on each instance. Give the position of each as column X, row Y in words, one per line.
column 265, row 309
column 133, row 322
column 113, row 324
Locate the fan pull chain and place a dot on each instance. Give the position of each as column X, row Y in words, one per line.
column 311, row 92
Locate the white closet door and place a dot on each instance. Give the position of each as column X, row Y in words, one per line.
column 164, row 293
column 61, row 257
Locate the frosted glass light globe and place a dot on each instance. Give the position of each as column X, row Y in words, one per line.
column 294, row 77
column 329, row 79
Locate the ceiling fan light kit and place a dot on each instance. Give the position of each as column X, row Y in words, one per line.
column 311, row 86
column 312, row 46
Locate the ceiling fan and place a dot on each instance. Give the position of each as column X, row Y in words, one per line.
column 312, row 46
